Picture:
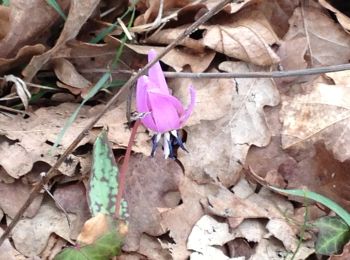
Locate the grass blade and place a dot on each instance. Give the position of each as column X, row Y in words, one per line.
column 57, row 8
column 342, row 213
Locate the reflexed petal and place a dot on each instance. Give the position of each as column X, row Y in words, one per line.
column 189, row 110
column 165, row 112
column 156, row 74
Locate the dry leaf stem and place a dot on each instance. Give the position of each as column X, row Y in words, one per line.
column 53, row 170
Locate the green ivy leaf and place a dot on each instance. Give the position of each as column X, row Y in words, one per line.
column 333, row 234
column 105, row 247
column 103, row 185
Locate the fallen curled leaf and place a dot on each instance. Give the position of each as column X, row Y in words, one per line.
column 70, row 77
column 94, row 228
column 28, row 20
column 23, row 56
column 79, row 12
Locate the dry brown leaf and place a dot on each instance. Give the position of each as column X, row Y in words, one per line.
column 325, row 48
column 309, row 166
column 240, row 247
column 213, row 97
column 149, row 9
column 28, row 21
column 167, row 36
column 13, row 197
column 181, row 219
column 23, row 56
column 205, row 235
column 68, row 75
column 179, row 58
column 221, row 145
column 8, row 252
column 30, row 236
column 344, row 255
column 247, row 37
column 4, row 21
column 278, row 13
column 233, row 7
column 149, row 180
column 94, row 228
column 342, row 18
column 72, row 198
column 250, row 205
column 319, row 114
column 152, row 249
column 29, row 140
column 79, row 12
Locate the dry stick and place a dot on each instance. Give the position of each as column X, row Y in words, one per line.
column 262, row 74
column 53, row 170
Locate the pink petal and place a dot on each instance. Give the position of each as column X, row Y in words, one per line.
column 165, row 110
column 156, row 74
column 142, row 102
column 190, row 108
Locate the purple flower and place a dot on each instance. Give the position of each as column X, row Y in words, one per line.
column 164, row 113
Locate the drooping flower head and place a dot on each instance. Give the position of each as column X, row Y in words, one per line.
column 164, row 113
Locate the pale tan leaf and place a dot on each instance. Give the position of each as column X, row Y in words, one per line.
column 247, row 37
column 321, row 114
column 309, row 37
column 221, row 145
column 31, row 235
column 342, row 18
column 178, row 58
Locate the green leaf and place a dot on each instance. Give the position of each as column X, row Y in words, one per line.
column 57, row 8
column 105, row 247
column 5, row 2
column 104, row 180
column 320, row 199
column 333, row 234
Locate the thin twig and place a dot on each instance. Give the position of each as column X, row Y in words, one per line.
column 262, row 74
column 53, row 170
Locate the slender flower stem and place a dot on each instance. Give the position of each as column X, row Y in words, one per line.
column 122, row 174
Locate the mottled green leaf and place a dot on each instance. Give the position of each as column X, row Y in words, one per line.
column 104, row 178
column 333, row 234
column 105, row 247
